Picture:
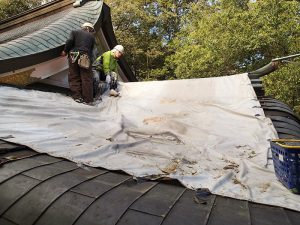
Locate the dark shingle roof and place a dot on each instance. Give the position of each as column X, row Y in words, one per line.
column 40, row 189
column 286, row 123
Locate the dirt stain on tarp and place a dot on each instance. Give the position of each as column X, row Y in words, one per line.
column 236, row 181
column 247, row 150
column 171, row 167
column 168, row 122
column 156, row 119
column 167, row 101
column 231, row 166
column 264, row 187
column 176, row 166
column 252, row 154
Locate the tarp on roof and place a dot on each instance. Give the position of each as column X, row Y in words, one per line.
column 207, row 133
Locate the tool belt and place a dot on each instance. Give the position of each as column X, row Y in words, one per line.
column 83, row 59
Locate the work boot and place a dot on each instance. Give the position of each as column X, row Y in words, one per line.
column 79, row 100
column 90, row 103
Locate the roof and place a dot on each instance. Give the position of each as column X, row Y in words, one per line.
column 40, row 189
column 39, row 35
column 285, row 121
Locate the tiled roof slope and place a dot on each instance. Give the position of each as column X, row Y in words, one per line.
column 51, row 37
column 31, row 27
column 40, row 34
column 43, row 190
column 285, row 121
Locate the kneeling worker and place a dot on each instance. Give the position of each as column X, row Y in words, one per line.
column 108, row 66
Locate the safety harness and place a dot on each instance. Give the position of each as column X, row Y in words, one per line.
column 74, row 56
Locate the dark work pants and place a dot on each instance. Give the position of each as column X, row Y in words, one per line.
column 81, row 82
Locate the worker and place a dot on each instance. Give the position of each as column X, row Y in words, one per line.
column 79, row 48
column 106, row 66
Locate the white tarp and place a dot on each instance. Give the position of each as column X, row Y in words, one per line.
column 208, row 133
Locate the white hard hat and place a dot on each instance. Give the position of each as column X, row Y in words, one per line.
column 88, row 25
column 119, row 48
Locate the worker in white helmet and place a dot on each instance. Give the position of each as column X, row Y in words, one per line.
column 106, row 65
column 79, row 48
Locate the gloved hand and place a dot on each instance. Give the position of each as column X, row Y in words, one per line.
column 96, row 75
column 108, row 78
column 113, row 83
column 114, row 76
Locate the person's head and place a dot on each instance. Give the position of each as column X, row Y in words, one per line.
column 118, row 51
column 88, row 27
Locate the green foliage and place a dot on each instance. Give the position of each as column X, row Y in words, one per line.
column 145, row 28
column 10, row 8
column 284, row 85
column 234, row 36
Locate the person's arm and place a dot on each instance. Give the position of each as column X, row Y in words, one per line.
column 92, row 50
column 69, row 43
column 98, row 63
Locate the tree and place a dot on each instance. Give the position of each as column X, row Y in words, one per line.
column 234, row 36
column 145, row 28
column 284, row 84
column 10, row 8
